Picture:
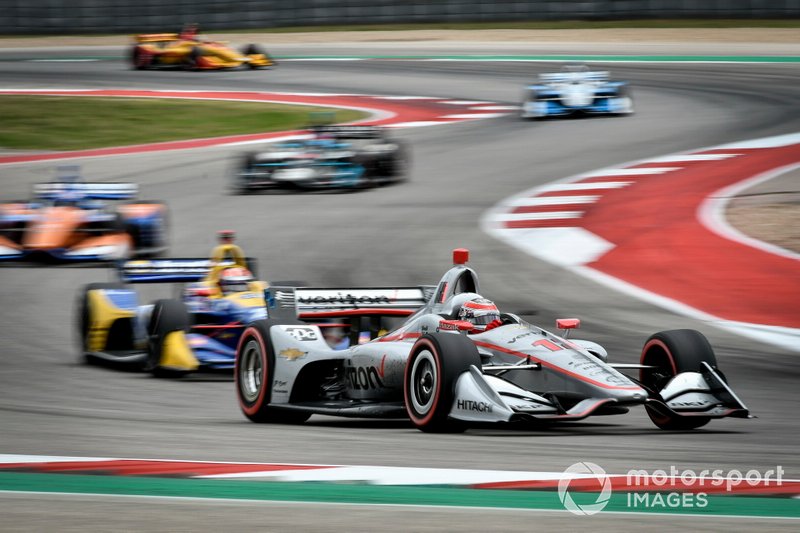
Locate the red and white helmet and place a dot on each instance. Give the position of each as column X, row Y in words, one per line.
column 235, row 279
column 480, row 312
column 226, row 236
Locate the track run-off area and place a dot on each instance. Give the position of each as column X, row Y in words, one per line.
column 469, row 174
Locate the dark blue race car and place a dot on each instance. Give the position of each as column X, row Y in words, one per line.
column 197, row 329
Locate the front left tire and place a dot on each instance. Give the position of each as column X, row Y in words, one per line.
column 432, row 370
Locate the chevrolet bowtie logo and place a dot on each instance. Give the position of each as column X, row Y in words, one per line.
column 292, row 353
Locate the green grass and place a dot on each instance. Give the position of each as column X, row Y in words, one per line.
column 77, row 123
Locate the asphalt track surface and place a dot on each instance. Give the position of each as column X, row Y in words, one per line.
column 51, row 404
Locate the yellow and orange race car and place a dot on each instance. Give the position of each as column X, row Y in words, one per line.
column 70, row 220
column 188, row 51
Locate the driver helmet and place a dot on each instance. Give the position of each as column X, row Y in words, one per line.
column 480, row 312
column 575, row 67
column 323, row 142
column 189, row 32
column 226, row 236
column 236, row 279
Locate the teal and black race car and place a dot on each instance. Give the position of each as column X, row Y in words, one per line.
column 334, row 157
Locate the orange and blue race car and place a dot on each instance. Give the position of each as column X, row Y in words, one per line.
column 70, row 220
column 188, row 51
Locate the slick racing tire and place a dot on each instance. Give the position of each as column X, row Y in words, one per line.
column 401, row 164
column 394, row 168
column 141, row 59
column 254, row 49
column 167, row 316
column 672, row 352
column 435, row 363
column 240, row 184
column 190, row 62
column 253, row 373
column 625, row 92
column 116, row 336
column 156, row 239
column 114, row 226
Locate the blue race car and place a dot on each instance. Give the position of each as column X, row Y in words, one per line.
column 576, row 90
column 170, row 337
column 200, row 328
column 336, row 157
column 71, row 220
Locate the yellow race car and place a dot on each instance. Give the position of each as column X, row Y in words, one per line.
column 188, row 51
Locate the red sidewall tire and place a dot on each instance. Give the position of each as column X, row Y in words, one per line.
column 647, row 350
column 437, row 393
column 675, row 351
column 450, row 356
column 253, row 334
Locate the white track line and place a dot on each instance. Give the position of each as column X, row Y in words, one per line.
column 546, row 215
column 476, row 115
column 612, row 172
column 553, row 187
column 552, row 200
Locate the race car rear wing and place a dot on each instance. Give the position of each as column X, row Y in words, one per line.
column 171, row 270
column 96, row 191
column 155, row 37
column 366, row 312
column 562, row 77
column 318, row 303
column 349, row 132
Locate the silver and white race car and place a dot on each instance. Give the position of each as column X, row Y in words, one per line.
column 576, row 90
column 442, row 374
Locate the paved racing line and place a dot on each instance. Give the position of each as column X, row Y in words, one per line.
column 654, row 229
column 389, row 111
column 551, row 58
column 560, row 58
column 369, row 485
